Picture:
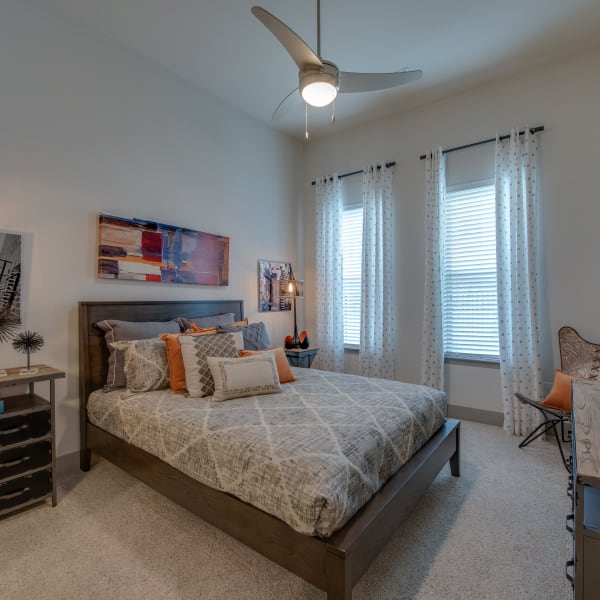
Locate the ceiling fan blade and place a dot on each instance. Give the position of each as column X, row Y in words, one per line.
column 370, row 82
column 296, row 47
column 293, row 99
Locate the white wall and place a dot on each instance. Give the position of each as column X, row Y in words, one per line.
column 88, row 127
column 564, row 97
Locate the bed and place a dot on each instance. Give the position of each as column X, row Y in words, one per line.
column 332, row 561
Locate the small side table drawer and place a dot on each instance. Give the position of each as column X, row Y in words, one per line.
column 23, row 490
column 25, row 458
column 23, row 428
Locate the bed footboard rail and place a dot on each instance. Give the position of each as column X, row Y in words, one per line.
column 353, row 548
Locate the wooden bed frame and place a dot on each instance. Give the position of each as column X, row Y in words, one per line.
column 334, row 564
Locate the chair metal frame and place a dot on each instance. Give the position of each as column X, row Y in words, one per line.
column 578, row 358
column 552, row 417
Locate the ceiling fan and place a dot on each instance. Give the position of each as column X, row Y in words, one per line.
column 319, row 80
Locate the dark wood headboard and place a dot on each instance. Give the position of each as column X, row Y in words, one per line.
column 93, row 353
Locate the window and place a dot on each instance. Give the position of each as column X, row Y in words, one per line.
column 470, row 301
column 351, row 275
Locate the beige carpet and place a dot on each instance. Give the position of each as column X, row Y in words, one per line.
column 496, row 533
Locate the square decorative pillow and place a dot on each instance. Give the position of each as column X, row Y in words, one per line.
column 212, row 321
column 246, row 376
column 176, row 368
column 195, row 349
column 281, row 361
column 561, row 395
column 255, row 335
column 146, row 366
column 118, row 331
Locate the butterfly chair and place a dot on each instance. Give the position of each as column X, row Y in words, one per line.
column 578, row 358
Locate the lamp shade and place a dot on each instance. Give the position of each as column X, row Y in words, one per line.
column 291, row 288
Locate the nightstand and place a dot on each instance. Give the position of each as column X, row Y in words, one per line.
column 27, row 446
column 299, row 357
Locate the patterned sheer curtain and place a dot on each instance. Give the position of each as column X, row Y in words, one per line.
column 516, row 255
column 330, row 298
column 432, row 350
column 376, row 357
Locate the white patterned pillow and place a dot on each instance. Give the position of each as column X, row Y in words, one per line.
column 146, row 366
column 124, row 331
column 247, row 376
column 195, row 349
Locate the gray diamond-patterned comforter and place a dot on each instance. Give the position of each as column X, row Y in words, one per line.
column 311, row 455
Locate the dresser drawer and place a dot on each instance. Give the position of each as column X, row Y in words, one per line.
column 22, row 428
column 25, row 458
column 25, row 489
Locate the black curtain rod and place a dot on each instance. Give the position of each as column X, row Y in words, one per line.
column 389, row 164
column 502, row 137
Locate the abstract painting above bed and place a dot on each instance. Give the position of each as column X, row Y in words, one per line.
column 149, row 251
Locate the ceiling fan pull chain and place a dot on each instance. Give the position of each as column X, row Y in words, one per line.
column 306, row 120
column 333, row 111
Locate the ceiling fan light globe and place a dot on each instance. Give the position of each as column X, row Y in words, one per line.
column 319, row 93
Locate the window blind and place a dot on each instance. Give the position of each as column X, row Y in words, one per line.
column 470, row 297
column 352, row 221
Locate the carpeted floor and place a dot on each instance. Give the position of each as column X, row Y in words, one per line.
column 497, row 532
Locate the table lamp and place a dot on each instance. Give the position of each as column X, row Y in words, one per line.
column 293, row 288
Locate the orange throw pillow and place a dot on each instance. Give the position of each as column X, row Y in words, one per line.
column 205, row 330
column 283, row 366
column 560, row 395
column 175, row 360
column 210, row 330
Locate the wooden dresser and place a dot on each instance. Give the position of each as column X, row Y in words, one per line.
column 584, row 569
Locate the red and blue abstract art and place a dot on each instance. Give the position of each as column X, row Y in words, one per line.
column 133, row 249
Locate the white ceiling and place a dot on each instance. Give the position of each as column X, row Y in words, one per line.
column 219, row 46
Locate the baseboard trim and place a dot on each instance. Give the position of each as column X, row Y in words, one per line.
column 487, row 417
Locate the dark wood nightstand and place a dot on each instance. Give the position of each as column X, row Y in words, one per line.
column 299, row 357
column 27, row 447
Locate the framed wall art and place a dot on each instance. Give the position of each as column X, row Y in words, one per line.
column 10, row 283
column 269, row 272
column 133, row 249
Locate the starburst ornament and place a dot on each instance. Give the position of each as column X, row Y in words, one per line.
column 27, row 342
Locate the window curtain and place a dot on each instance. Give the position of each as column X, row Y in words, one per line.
column 376, row 357
column 516, row 255
column 432, row 349
column 330, row 299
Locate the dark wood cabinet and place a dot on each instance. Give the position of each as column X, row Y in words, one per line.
column 27, row 449
column 583, row 570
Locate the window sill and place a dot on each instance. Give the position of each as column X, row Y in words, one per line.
column 482, row 361
column 351, row 347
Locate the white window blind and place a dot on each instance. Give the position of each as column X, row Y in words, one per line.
column 352, row 222
column 470, row 301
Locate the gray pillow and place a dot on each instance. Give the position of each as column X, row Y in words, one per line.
column 124, row 331
column 146, row 365
column 212, row 321
column 254, row 334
